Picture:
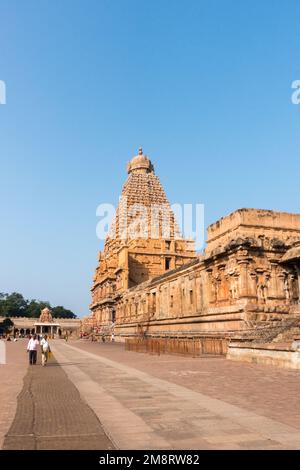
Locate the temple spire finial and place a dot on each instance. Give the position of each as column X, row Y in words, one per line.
column 141, row 151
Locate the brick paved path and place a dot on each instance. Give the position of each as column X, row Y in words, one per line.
column 146, row 407
column 11, row 377
column 144, row 401
column 51, row 415
column 266, row 390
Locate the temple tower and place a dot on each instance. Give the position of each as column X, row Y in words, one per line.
column 144, row 240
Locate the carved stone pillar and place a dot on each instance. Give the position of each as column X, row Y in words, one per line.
column 147, row 305
column 273, row 284
column 294, row 287
column 236, row 290
column 253, row 284
column 243, row 281
column 211, row 287
column 280, row 285
column 222, row 289
column 298, row 276
column 158, row 301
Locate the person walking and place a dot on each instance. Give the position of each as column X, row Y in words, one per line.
column 32, row 347
column 45, row 347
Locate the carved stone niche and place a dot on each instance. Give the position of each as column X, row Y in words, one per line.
column 243, row 265
column 235, row 286
column 277, row 244
column 253, row 283
column 210, row 286
column 294, row 287
column 281, row 285
column 223, row 290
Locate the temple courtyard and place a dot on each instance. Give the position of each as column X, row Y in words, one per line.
column 99, row 396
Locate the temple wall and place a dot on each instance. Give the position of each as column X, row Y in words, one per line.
column 224, row 294
column 241, row 285
column 252, row 222
column 248, row 276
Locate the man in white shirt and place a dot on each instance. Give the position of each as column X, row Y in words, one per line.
column 32, row 348
column 45, row 350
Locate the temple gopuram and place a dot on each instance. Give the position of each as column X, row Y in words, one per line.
column 244, row 285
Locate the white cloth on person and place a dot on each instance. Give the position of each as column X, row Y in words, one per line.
column 45, row 345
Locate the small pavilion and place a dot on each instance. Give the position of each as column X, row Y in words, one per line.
column 45, row 324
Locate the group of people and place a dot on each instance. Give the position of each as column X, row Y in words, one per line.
column 34, row 344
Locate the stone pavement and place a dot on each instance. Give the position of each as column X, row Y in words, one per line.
column 11, row 376
column 51, row 414
column 169, row 402
column 99, row 396
column 266, row 390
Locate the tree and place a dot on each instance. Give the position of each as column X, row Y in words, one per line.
column 6, row 325
column 34, row 307
column 61, row 312
column 13, row 305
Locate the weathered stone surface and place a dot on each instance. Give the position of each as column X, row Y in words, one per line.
column 248, row 278
column 279, row 356
column 130, row 259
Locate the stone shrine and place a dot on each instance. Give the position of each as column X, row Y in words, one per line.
column 245, row 283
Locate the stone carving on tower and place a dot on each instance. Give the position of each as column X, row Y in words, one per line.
column 143, row 242
column 46, row 316
column 149, row 280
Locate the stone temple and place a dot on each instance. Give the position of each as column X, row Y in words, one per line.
column 244, row 285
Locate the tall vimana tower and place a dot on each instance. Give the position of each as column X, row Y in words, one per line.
column 149, row 281
column 144, row 241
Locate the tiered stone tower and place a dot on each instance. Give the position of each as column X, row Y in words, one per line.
column 144, row 241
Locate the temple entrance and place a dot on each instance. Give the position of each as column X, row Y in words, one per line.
column 46, row 325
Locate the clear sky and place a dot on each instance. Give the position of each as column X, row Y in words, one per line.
column 203, row 86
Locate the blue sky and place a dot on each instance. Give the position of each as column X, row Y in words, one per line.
column 203, row 86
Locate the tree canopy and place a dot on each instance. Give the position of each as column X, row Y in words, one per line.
column 14, row 305
column 6, row 325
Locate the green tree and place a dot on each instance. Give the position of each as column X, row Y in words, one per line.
column 61, row 312
column 34, row 307
column 6, row 325
column 13, row 305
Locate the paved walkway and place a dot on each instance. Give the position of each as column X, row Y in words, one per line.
column 99, row 396
column 138, row 408
column 11, row 376
column 265, row 390
column 51, row 414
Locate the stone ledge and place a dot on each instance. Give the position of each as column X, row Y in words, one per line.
column 272, row 355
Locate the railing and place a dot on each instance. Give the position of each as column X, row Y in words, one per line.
column 194, row 347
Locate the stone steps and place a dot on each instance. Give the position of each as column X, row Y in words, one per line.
column 271, row 331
